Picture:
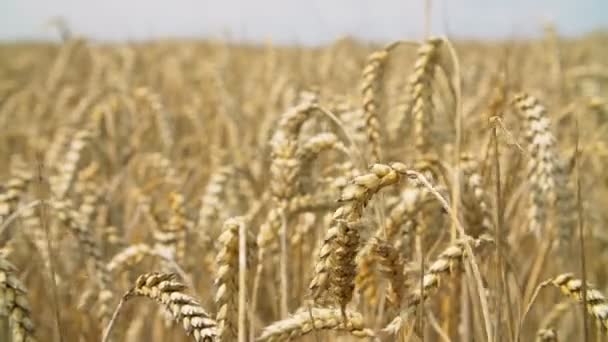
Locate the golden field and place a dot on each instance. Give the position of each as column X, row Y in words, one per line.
column 186, row 190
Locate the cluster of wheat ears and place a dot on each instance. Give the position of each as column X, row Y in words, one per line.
column 434, row 190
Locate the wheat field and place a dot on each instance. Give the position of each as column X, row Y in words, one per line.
column 429, row 190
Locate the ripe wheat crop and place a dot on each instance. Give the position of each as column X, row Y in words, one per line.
column 205, row 191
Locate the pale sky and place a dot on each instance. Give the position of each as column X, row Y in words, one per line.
column 292, row 21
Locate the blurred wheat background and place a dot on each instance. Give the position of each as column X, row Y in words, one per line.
column 421, row 190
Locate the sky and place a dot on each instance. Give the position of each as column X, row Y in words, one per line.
column 300, row 22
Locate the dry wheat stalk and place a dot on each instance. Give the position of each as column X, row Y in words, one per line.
column 306, row 321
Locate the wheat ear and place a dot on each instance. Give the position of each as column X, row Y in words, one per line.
column 165, row 290
column 172, row 235
column 335, row 269
column 211, row 202
column 478, row 214
column 443, row 265
column 371, row 84
column 62, row 182
column 226, row 281
column 597, row 304
column 542, row 163
column 15, row 187
column 306, row 321
column 420, row 91
column 14, row 303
